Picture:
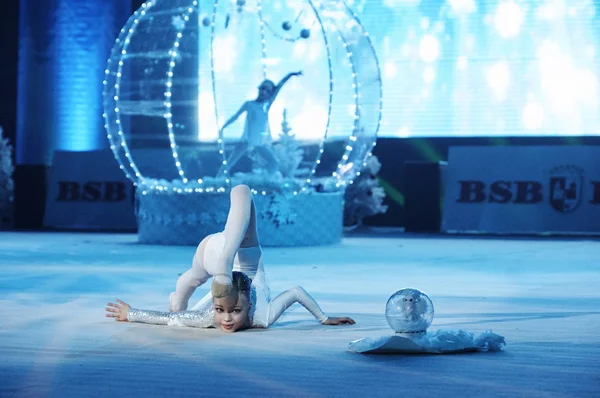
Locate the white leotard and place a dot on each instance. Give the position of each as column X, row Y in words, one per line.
column 256, row 127
column 247, row 259
column 264, row 312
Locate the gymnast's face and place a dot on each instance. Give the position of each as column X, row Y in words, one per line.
column 231, row 312
column 265, row 90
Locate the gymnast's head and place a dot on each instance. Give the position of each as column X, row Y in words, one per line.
column 232, row 312
column 265, row 90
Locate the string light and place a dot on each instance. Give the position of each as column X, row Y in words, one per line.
column 169, row 87
column 124, row 37
column 356, row 122
column 220, row 141
column 329, row 106
column 378, row 68
column 263, row 41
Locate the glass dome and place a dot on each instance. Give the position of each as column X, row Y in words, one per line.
column 409, row 311
column 181, row 69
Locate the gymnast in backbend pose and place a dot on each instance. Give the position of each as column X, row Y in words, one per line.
column 239, row 297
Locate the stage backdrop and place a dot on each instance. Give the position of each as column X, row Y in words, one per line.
column 87, row 190
column 530, row 189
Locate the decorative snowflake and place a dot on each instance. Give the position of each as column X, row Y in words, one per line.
column 178, row 22
column 204, row 218
column 220, row 217
column 279, row 211
column 191, row 219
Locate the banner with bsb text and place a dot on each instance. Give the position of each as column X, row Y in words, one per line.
column 533, row 189
column 87, row 190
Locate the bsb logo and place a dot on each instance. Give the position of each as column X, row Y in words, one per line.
column 92, row 191
column 566, row 190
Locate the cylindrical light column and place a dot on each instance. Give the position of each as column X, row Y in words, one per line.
column 63, row 49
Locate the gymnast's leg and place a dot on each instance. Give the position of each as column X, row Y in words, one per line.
column 239, row 151
column 240, row 231
column 189, row 281
column 251, row 236
column 269, row 157
column 250, row 240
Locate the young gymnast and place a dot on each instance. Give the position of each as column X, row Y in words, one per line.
column 257, row 135
column 240, row 296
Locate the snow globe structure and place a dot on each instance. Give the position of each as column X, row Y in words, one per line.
column 181, row 69
column 409, row 312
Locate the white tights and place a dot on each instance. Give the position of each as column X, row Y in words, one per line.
column 240, row 232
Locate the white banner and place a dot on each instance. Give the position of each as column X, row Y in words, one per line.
column 533, row 189
column 87, row 190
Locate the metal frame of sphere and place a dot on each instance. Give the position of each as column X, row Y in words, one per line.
column 112, row 115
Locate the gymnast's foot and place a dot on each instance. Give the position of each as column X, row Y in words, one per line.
column 174, row 305
column 221, row 286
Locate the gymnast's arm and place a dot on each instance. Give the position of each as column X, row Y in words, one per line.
column 149, row 316
column 196, row 319
column 295, row 295
column 235, row 116
column 280, row 85
column 123, row 312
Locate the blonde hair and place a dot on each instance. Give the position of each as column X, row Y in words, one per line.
column 241, row 283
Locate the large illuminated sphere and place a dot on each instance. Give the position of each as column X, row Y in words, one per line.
column 409, row 311
column 180, row 68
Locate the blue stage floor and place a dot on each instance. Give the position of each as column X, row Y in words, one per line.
column 542, row 295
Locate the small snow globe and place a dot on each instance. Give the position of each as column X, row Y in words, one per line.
column 409, row 311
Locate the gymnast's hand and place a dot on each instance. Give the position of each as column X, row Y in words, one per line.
column 118, row 311
column 339, row 321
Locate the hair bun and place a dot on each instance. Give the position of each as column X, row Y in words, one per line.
column 241, row 281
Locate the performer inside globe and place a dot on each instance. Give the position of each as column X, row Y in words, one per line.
column 257, row 135
column 239, row 297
